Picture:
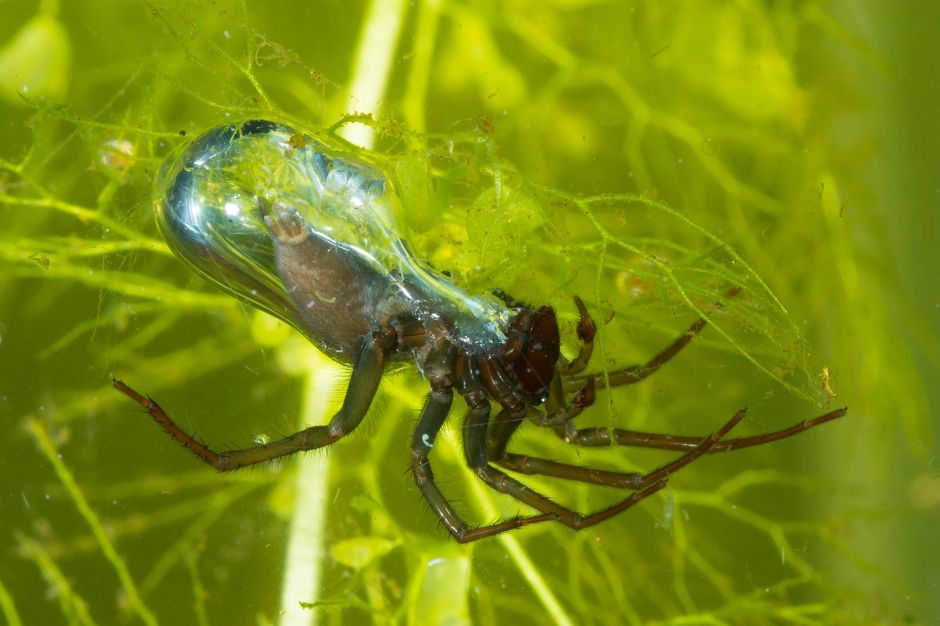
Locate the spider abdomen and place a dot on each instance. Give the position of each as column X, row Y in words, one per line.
column 343, row 269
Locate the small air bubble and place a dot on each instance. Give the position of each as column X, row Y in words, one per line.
column 117, row 154
column 226, row 34
column 710, row 146
column 261, row 439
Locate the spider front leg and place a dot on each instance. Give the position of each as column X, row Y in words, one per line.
column 560, row 418
column 366, row 374
column 586, row 331
column 559, row 412
column 637, row 373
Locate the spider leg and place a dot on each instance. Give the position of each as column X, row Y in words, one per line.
column 506, row 423
column 429, row 424
column 440, row 368
column 475, row 438
column 560, row 415
column 656, row 478
column 636, row 373
column 525, row 464
column 558, row 412
column 645, row 485
column 530, row 465
column 478, row 455
column 602, row 437
column 586, row 331
column 366, row 374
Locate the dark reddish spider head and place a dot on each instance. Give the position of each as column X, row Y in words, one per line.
column 533, row 350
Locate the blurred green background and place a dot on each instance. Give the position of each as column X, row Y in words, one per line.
column 637, row 139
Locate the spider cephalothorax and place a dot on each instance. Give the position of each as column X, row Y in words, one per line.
column 532, row 351
column 321, row 251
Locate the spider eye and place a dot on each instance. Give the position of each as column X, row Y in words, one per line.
column 535, row 367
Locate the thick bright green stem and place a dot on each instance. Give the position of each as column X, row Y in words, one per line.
column 378, row 42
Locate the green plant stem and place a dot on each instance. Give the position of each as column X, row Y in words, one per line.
column 541, row 588
column 91, row 518
column 9, row 609
column 378, row 42
column 305, row 549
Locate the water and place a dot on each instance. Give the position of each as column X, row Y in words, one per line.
column 802, row 137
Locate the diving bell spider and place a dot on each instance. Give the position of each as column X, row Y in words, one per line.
column 527, row 370
column 301, row 227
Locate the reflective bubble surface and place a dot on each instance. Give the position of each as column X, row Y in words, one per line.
column 208, row 209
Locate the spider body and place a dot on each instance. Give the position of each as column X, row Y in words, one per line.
column 306, row 231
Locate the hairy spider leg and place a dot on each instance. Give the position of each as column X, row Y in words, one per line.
column 363, row 383
column 559, row 416
column 476, row 449
column 637, row 373
column 602, row 437
column 475, row 437
column 558, row 413
column 525, row 464
column 586, row 331
column 429, row 424
column 506, row 423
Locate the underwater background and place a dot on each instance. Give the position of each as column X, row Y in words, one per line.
column 642, row 155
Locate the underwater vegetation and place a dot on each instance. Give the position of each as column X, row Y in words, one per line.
column 642, row 156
